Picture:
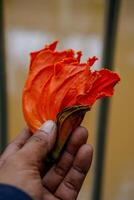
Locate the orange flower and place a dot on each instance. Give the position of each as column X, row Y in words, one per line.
column 57, row 80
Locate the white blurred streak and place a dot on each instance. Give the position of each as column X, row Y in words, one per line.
column 19, row 44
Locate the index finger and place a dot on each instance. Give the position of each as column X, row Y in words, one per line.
column 16, row 144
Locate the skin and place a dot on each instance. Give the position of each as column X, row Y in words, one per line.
column 22, row 164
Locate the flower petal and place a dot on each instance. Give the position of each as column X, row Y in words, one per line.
column 103, row 86
column 57, row 80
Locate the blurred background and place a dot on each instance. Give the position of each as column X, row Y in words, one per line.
column 79, row 24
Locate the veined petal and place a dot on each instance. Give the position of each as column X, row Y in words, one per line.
column 103, row 86
column 57, row 80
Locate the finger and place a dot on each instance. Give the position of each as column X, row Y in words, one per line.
column 72, row 183
column 17, row 144
column 58, row 172
column 48, row 195
column 41, row 142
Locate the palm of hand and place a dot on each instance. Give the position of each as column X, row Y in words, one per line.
column 62, row 181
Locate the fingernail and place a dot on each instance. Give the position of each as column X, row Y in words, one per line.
column 48, row 127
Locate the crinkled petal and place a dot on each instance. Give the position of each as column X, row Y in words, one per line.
column 57, row 80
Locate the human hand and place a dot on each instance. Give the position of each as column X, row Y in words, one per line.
column 23, row 162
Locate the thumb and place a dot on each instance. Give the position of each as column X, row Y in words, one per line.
column 42, row 142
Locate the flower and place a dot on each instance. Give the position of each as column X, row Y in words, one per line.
column 58, row 80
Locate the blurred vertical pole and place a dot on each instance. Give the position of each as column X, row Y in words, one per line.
column 3, row 108
column 111, row 20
